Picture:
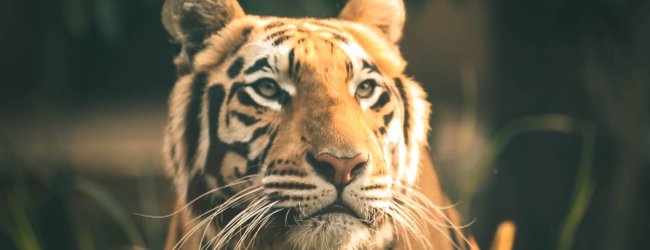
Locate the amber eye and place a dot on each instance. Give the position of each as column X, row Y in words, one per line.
column 365, row 89
column 267, row 88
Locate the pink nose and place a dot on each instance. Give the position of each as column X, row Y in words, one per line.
column 343, row 168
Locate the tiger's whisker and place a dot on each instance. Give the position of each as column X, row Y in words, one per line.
column 215, row 212
column 236, row 182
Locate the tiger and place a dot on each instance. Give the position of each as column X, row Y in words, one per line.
column 300, row 133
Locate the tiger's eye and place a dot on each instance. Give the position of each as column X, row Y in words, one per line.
column 365, row 89
column 267, row 88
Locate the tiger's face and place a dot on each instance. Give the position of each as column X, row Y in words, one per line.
column 299, row 129
column 309, row 113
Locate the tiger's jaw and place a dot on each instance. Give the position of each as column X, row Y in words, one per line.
column 330, row 231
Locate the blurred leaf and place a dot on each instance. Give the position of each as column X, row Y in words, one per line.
column 113, row 208
column 582, row 192
column 150, row 203
column 107, row 16
column 539, row 123
column 75, row 17
column 22, row 232
column 584, row 185
column 85, row 239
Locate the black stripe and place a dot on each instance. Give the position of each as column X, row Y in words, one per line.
column 270, row 166
column 370, row 66
column 374, row 187
column 297, row 69
column 264, row 153
column 233, row 89
column 259, row 132
column 192, row 120
column 255, row 166
column 290, row 185
column 348, row 70
column 283, row 172
column 381, row 101
column 281, row 40
column 276, row 34
column 198, row 186
column 339, row 37
column 260, row 64
column 243, row 148
column 246, row 99
column 235, row 67
column 225, row 217
column 388, row 118
column 273, row 24
column 215, row 100
column 407, row 112
column 227, row 120
column 374, row 199
column 244, row 118
column 384, row 28
column 244, row 35
column 217, row 148
column 292, row 55
column 331, row 44
column 276, row 196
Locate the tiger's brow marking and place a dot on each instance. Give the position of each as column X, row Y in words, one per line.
column 260, row 64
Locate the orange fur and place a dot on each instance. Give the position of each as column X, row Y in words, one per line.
column 324, row 115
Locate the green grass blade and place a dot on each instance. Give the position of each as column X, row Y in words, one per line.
column 22, row 233
column 582, row 192
column 539, row 123
column 113, row 208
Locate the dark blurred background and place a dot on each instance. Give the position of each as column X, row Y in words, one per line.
column 540, row 116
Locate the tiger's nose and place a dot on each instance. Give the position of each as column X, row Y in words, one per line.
column 340, row 170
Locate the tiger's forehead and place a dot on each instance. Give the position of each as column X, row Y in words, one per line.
column 320, row 43
column 312, row 41
column 309, row 54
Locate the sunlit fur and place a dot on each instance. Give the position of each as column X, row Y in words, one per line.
column 243, row 163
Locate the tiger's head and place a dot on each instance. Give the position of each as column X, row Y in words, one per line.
column 294, row 133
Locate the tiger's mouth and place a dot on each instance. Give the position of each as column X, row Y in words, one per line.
column 336, row 207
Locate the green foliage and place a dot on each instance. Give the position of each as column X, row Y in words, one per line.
column 541, row 123
column 19, row 227
column 582, row 192
column 113, row 208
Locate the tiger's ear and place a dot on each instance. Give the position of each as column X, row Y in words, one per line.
column 385, row 15
column 191, row 21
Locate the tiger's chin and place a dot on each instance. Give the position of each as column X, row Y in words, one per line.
column 335, row 231
column 330, row 231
